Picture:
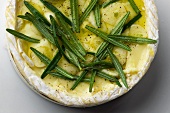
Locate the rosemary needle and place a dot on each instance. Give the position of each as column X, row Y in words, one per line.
column 131, row 39
column 118, row 67
column 134, row 6
column 97, row 15
column 87, row 11
column 92, row 79
column 132, row 21
column 63, row 77
column 52, row 64
column 55, row 11
column 40, row 27
column 75, row 15
column 47, row 61
column 83, row 74
column 105, row 37
column 108, row 77
column 22, row 36
column 105, row 4
column 73, row 38
column 36, row 13
column 117, row 30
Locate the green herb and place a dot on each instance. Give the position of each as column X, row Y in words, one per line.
column 83, row 74
column 117, row 30
column 118, row 67
column 73, row 59
column 102, row 47
column 63, row 77
column 22, row 36
column 23, row 17
column 40, row 27
column 49, row 28
column 97, row 15
column 131, row 22
column 55, row 11
column 92, row 79
column 26, row 18
column 56, row 38
column 47, row 61
column 88, row 10
column 91, row 53
column 102, row 56
column 52, row 64
column 97, row 68
column 36, row 13
column 132, row 39
column 97, row 63
column 105, row 4
column 108, row 77
column 73, row 38
column 70, row 46
column 41, row 56
column 134, row 6
column 75, row 15
column 63, row 72
column 119, row 26
column 105, row 37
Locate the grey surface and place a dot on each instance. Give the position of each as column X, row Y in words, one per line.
column 151, row 95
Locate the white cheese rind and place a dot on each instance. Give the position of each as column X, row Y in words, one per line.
column 63, row 97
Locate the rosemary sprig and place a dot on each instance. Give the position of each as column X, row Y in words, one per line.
column 40, row 27
column 105, row 37
column 97, row 15
column 108, row 77
column 134, row 6
column 63, row 72
column 105, row 4
column 137, row 17
column 71, row 35
column 26, row 18
column 83, row 74
column 118, row 67
column 117, row 30
column 47, row 61
column 63, row 77
column 75, row 15
column 71, row 47
column 131, row 39
column 56, row 38
column 36, row 13
column 87, row 11
column 23, row 17
column 22, row 36
column 52, row 64
column 131, row 22
column 97, row 63
column 102, row 47
column 102, row 56
column 55, row 11
column 92, row 79
column 73, row 58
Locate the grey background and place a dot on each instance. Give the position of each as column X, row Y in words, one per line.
column 151, row 95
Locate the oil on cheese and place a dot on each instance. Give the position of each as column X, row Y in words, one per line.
column 131, row 61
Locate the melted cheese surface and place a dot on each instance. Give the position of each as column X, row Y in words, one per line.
column 132, row 61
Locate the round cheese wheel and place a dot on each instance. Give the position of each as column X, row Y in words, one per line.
column 136, row 65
